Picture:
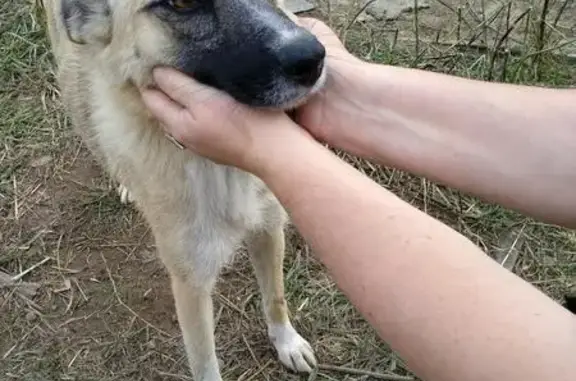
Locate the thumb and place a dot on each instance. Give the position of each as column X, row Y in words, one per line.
column 323, row 32
column 181, row 88
column 314, row 26
column 174, row 119
column 307, row 22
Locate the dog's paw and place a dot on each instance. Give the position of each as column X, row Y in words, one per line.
column 124, row 193
column 293, row 350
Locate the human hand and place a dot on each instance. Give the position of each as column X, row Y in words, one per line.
column 335, row 50
column 335, row 115
column 212, row 124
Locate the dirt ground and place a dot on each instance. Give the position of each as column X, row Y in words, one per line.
column 82, row 296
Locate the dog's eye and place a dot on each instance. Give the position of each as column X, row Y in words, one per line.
column 182, row 5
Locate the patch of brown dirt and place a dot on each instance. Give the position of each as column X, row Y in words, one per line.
column 105, row 309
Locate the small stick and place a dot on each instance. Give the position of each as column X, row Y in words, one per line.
column 361, row 372
column 172, row 375
column 344, row 32
column 16, row 213
column 19, row 276
column 258, row 371
column 416, row 33
column 560, row 12
column 119, row 299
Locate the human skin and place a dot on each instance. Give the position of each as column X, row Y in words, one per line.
column 449, row 310
column 506, row 144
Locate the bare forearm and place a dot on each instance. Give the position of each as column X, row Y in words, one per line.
column 507, row 144
column 448, row 309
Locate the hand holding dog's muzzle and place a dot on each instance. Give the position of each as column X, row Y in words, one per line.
column 213, row 124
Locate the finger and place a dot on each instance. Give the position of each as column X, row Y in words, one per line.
column 322, row 32
column 170, row 114
column 316, row 27
column 307, row 22
column 180, row 87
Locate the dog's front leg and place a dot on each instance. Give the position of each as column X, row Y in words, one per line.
column 195, row 316
column 193, row 264
column 266, row 250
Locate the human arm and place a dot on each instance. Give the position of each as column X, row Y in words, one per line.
column 507, row 144
column 450, row 311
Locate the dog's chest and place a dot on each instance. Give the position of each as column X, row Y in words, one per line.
column 225, row 194
column 210, row 195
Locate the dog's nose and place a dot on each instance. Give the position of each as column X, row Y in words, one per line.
column 302, row 59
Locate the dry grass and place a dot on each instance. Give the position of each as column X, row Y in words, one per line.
column 82, row 296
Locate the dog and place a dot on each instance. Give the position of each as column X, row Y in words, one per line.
column 199, row 212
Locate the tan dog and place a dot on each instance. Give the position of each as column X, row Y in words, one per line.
column 199, row 212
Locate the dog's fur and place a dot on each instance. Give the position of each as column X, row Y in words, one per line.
column 199, row 212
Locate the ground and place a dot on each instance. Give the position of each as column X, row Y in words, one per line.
column 82, row 296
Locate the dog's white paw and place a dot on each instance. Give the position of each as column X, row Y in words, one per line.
column 124, row 193
column 293, row 350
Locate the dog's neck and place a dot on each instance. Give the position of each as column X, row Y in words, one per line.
column 128, row 94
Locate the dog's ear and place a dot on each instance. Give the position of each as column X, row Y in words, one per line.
column 87, row 21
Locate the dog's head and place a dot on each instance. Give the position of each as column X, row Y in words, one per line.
column 247, row 48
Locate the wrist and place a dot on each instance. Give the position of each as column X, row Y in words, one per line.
column 277, row 147
column 352, row 108
column 378, row 117
column 285, row 154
